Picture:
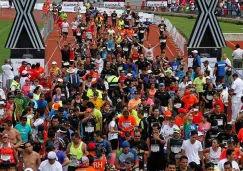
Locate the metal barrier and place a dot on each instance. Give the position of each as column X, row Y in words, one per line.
column 48, row 26
column 238, row 71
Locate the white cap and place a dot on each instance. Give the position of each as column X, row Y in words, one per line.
column 24, row 72
column 194, row 51
column 2, row 103
column 189, row 82
column 51, row 155
column 28, row 169
column 207, row 77
column 60, row 80
column 54, row 63
column 149, row 71
column 118, row 46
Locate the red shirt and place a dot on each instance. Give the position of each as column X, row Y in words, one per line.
column 72, row 55
column 135, row 56
column 21, row 69
column 122, row 80
column 220, row 102
column 197, row 118
column 33, row 74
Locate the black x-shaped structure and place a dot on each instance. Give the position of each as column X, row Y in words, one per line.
column 206, row 31
column 24, row 33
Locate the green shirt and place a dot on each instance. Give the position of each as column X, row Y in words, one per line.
column 199, row 84
column 64, row 16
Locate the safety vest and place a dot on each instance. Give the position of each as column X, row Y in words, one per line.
column 16, row 84
column 113, row 81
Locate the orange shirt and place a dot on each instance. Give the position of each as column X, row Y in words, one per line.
column 189, row 101
column 123, row 33
column 127, row 124
column 93, row 75
column 130, row 32
column 90, row 168
column 133, row 102
column 223, row 153
column 99, row 164
column 179, row 121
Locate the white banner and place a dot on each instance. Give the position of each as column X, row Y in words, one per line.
column 113, row 4
column 69, row 6
column 156, row 3
column 16, row 63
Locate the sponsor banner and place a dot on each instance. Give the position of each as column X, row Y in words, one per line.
column 113, row 4
column 4, row 4
column 110, row 11
column 16, row 63
column 69, row 6
column 156, row 3
column 144, row 16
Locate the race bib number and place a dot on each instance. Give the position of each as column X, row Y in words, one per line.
column 175, row 149
column 126, row 25
column 99, row 25
column 5, row 157
column 162, row 29
column 137, row 21
column 155, row 148
column 220, row 122
column 82, row 28
column 209, row 97
column 89, row 129
column 177, row 105
column 78, row 34
column 162, row 41
column 125, row 49
column 141, row 31
column 135, row 35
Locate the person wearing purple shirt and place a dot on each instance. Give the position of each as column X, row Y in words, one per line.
column 61, row 156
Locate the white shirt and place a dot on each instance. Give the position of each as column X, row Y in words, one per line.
column 148, row 53
column 8, row 73
column 112, row 136
column 192, row 150
column 167, row 131
column 225, row 96
column 238, row 87
column 100, row 64
column 235, row 165
column 46, row 166
column 22, row 81
column 208, row 68
column 182, row 88
column 2, row 94
column 74, row 25
column 237, row 54
column 228, row 62
column 65, row 26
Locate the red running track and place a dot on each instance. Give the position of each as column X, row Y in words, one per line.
column 53, row 52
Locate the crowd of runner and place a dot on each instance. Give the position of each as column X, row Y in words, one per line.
column 116, row 105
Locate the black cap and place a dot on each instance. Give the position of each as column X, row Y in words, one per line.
column 208, row 165
column 206, row 62
column 16, row 77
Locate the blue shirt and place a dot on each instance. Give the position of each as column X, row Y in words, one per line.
column 134, row 68
column 220, row 68
column 42, row 104
column 61, row 156
column 198, row 58
column 53, row 112
column 24, row 131
column 174, row 65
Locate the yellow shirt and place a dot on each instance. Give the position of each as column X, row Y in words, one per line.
column 90, row 93
column 97, row 115
column 98, row 103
